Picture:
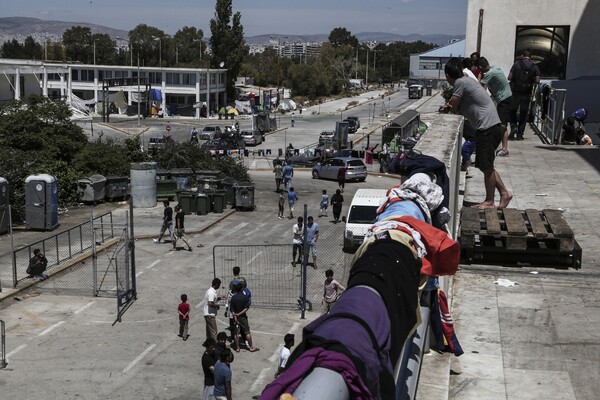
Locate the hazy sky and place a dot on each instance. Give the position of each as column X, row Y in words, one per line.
column 258, row 16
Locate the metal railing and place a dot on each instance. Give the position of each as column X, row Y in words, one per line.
column 548, row 114
column 62, row 246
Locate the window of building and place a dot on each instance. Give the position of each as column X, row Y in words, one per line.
column 75, row 74
column 173, row 78
column 188, row 79
column 202, row 79
column 121, row 74
column 87, row 75
column 428, row 65
column 155, row 77
column 549, row 47
column 104, row 75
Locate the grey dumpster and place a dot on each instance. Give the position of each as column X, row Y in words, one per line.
column 218, row 202
column 187, row 201
column 428, row 89
column 4, row 207
column 92, row 189
column 228, row 185
column 244, row 195
column 207, row 183
column 202, row 206
column 41, row 202
column 117, row 187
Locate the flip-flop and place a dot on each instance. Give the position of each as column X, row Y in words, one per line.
column 253, row 349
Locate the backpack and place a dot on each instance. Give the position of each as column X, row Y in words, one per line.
column 523, row 78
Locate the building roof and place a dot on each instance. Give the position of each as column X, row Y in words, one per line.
column 455, row 49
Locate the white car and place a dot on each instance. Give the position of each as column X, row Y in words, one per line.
column 211, row 132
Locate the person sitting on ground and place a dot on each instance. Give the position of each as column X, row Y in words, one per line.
column 569, row 135
column 580, row 115
column 37, row 265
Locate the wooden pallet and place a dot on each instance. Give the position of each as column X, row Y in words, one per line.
column 530, row 236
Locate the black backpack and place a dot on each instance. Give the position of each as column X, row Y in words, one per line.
column 523, row 78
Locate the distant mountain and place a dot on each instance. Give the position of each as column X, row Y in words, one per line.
column 21, row 27
column 379, row 37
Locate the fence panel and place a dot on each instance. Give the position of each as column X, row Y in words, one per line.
column 272, row 279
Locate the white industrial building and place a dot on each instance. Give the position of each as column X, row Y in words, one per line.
column 173, row 88
column 562, row 37
column 429, row 65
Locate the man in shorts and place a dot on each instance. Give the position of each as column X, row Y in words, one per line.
column 493, row 78
column 238, row 306
column 470, row 100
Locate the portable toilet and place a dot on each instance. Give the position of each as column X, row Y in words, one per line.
column 4, row 207
column 41, row 202
column 92, row 189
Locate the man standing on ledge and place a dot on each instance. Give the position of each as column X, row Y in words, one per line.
column 470, row 100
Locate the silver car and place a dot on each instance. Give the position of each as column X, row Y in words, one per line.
column 329, row 169
column 252, row 137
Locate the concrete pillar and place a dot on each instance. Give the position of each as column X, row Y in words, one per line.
column 208, row 105
column 198, row 94
column 17, row 83
column 62, row 85
column 164, row 92
column 69, row 85
column 44, row 81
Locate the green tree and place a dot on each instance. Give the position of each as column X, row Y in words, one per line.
column 147, row 42
column 227, row 42
column 32, row 50
column 190, row 44
column 12, row 49
column 105, row 49
column 77, row 41
column 342, row 37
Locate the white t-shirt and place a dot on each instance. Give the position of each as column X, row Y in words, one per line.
column 284, row 354
column 298, row 231
column 211, row 295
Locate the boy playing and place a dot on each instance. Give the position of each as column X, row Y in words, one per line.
column 324, row 203
column 331, row 290
column 281, row 205
column 184, row 317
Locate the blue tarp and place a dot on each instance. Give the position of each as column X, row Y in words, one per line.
column 156, row 94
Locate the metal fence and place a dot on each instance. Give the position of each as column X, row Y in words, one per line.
column 548, row 113
column 3, row 361
column 272, row 279
column 62, row 246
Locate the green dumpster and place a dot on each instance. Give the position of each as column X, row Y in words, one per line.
column 165, row 189
column 187, row 201
column 202, row 205
column 219, row 201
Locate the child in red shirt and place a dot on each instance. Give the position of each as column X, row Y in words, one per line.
column 184, row 317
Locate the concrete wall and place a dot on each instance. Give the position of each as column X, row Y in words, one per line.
column 500, row 19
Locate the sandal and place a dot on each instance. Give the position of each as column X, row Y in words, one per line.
column 253, row 349
column 502, row 153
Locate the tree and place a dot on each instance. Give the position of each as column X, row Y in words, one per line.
column 227, row 42
column 105, row 49
column 190, row 46
column 77, row 41
column 342, row 37
column 147, row 42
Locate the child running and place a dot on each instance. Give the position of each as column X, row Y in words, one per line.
column 324, row 204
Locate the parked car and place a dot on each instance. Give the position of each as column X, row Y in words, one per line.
column 211, row 132
column 352, row 127
column 356, row 119
column 328, row 169
column 252, row 137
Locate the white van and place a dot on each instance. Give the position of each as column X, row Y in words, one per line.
column 361, row 215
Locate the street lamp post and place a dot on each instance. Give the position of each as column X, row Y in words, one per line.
column 159, row 51
column 94, row 51
column 138, row 79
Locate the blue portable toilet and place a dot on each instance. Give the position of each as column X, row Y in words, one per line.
column 41, row 202
column 4, row 207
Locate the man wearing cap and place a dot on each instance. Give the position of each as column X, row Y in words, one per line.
column 209, row 359
column 210, row 309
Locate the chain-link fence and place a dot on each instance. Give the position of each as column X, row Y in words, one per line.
column 271, row 276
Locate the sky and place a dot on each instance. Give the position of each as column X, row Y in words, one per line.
column 258, row 16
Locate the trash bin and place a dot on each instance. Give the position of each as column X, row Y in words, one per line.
column 4, row 207
column 165, row 189
column 210, row 194
column 202, row 205
column 244, row 195
column 183, row 177
column 228, row 185
column 92, row 189
column 207, row 183
column 41, row 202
column 117, row 187
column 428, row 89
column 187, row 201
column 218, row 201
